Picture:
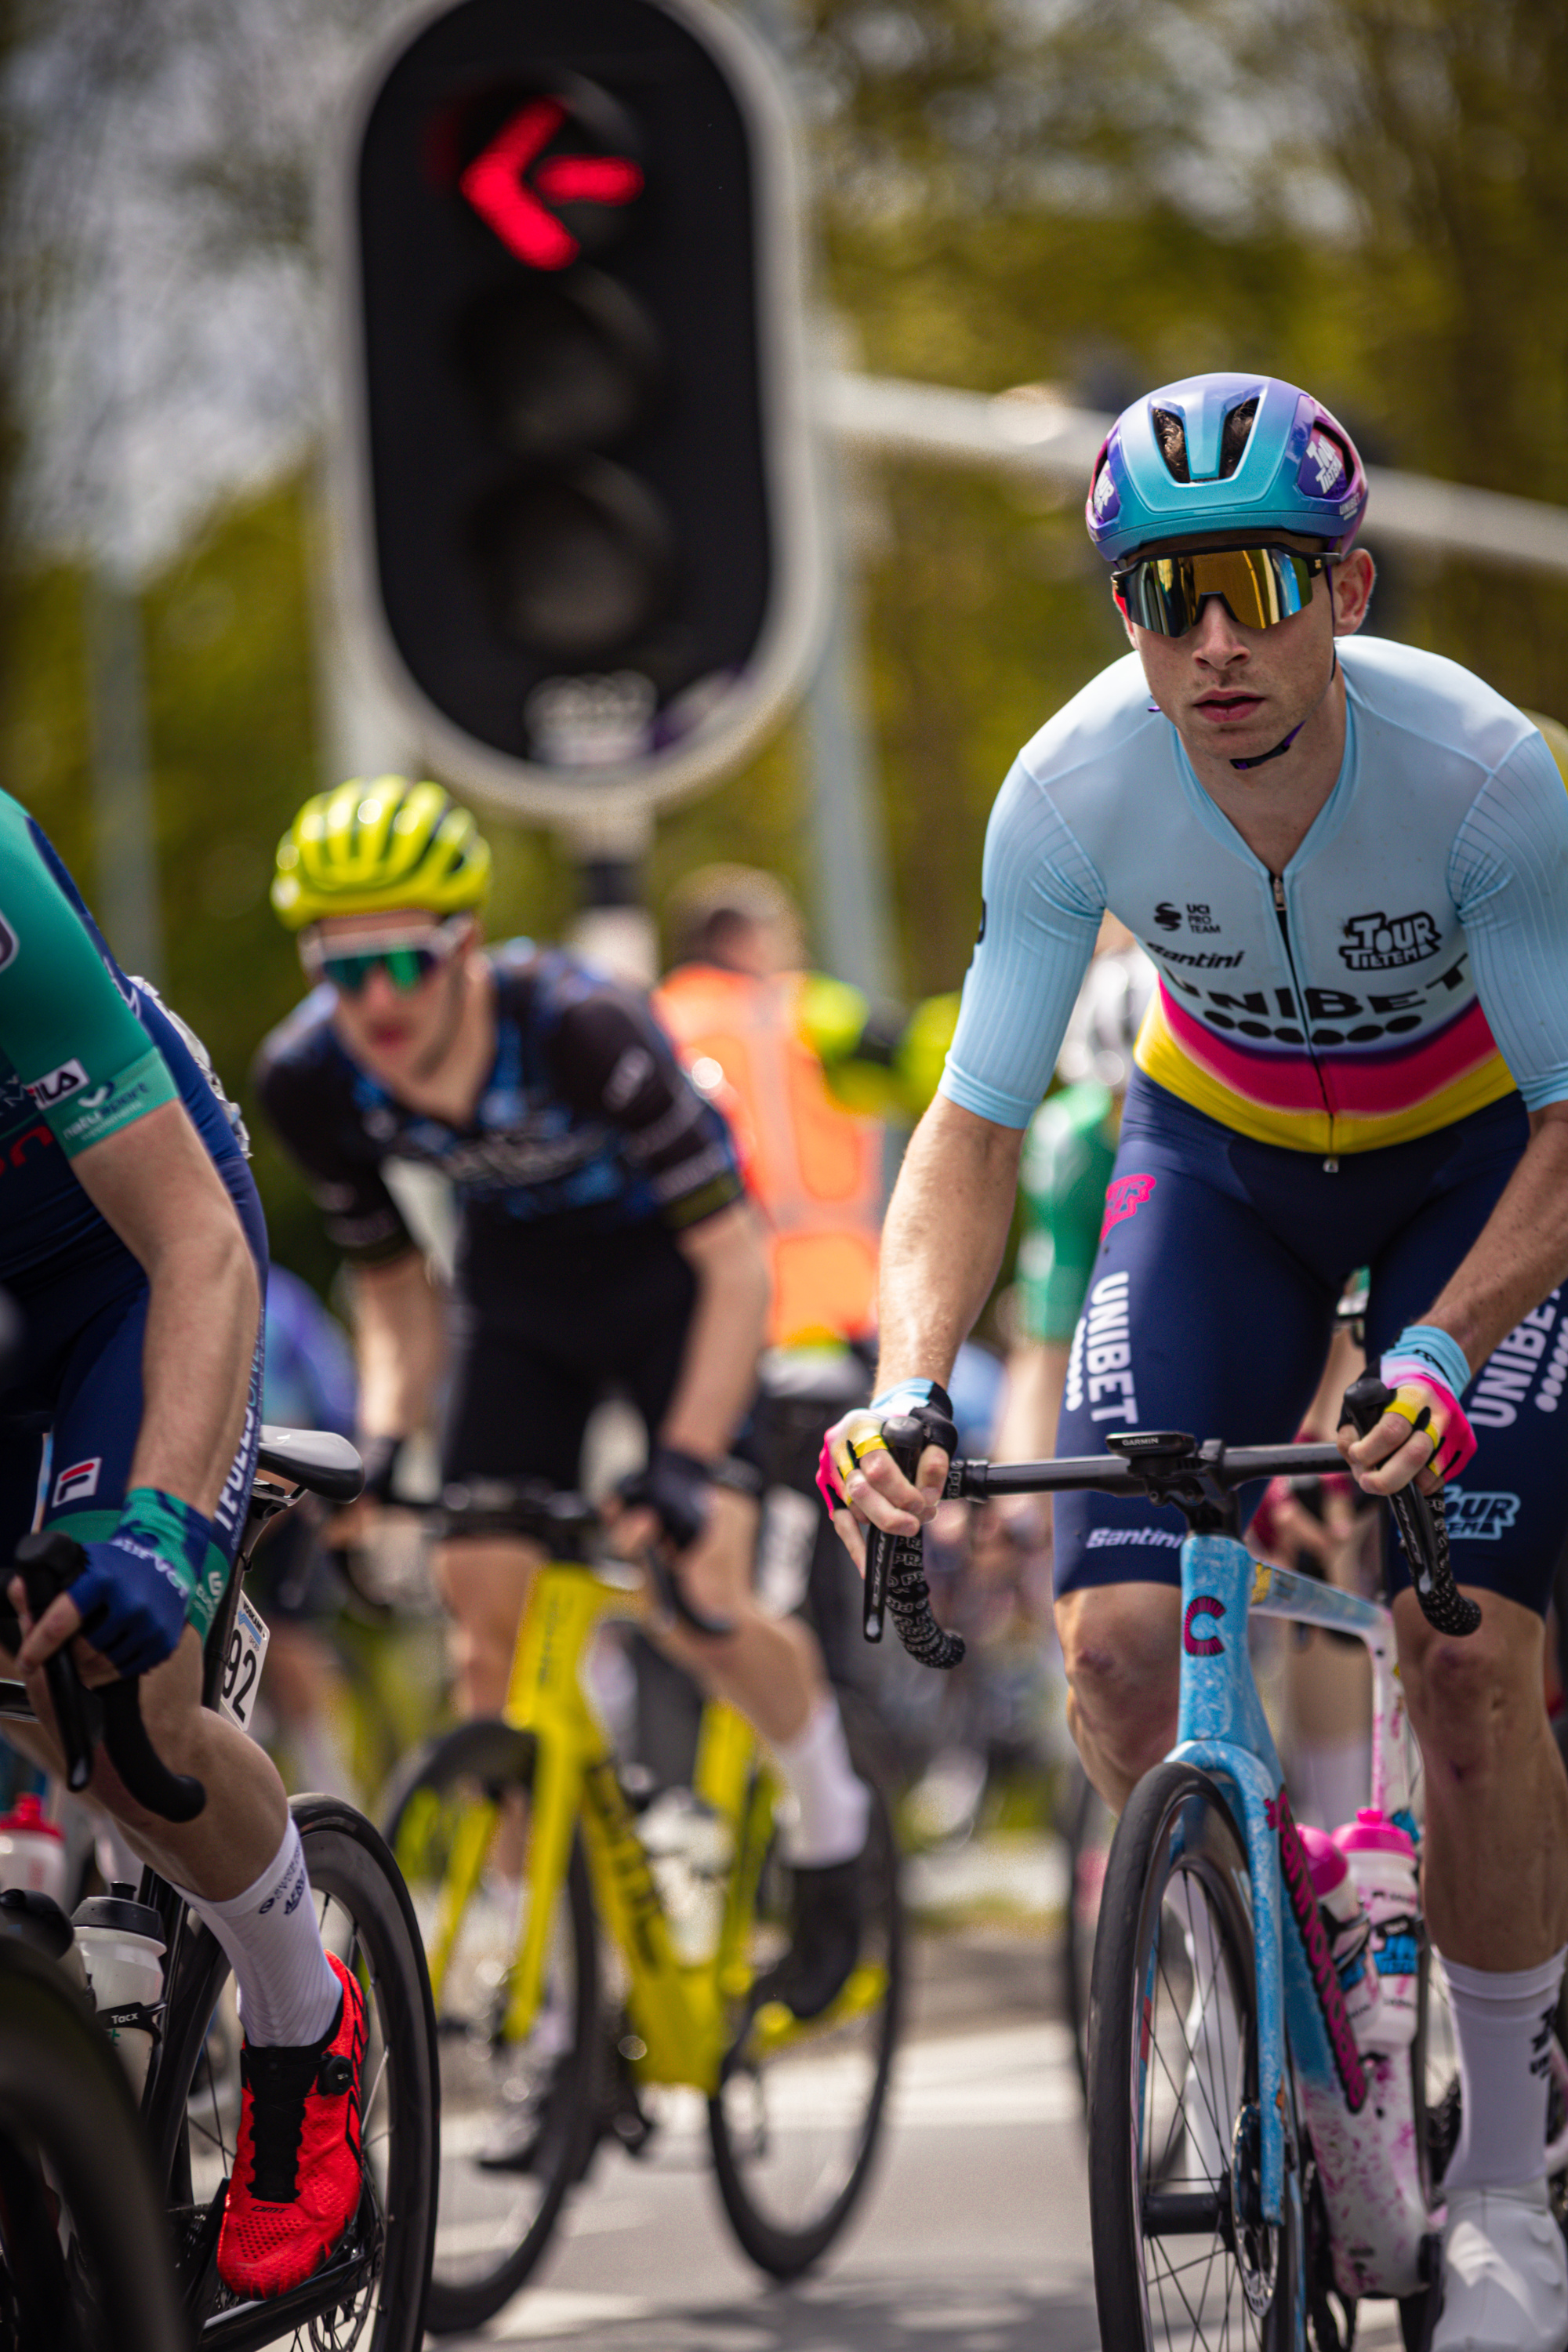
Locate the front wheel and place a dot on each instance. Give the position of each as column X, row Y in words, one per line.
column 795, row 2124
column 519, row 2111
column 1183, row 2255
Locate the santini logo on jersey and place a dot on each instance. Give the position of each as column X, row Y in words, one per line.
column 57, row 1085
column 1381, row 942
column 74, row 1485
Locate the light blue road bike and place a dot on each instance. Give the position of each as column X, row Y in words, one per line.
column 1233, row 2200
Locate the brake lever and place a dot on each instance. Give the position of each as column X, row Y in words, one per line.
column 1422, row 1521
column 895, row 1570
column 49, row 1563
column 656, row 1558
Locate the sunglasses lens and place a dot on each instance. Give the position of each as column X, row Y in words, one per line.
column 347, row 974
column 407, row 968
column 1257, row 586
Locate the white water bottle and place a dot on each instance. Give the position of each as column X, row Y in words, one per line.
column 1382, row 1860
column 689, row 1847
column 32, row 1850
column 122, row 1946
column 1348, row 1931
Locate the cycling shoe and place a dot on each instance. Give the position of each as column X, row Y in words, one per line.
column 1505, row 2274
column 826, row 1943
column 296, row 2169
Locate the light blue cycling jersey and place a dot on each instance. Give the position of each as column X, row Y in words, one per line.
column 1411, row 967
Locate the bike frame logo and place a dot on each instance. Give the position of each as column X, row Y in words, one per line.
column 1296, row 1872
column 1202, row 1645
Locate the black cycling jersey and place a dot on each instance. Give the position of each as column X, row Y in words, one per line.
column 586, row 1123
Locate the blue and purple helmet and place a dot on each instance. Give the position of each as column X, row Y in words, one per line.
column 1223, row 453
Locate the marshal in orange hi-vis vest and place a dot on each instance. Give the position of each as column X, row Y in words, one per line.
column 814, row 1167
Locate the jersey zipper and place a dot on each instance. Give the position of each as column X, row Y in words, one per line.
column 1331, row 1164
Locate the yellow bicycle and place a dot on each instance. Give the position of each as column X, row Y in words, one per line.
column 571, row 1996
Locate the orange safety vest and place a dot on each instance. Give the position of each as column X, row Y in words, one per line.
column 814, row 1169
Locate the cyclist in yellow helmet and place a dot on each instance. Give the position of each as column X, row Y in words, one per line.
column 604, row 1238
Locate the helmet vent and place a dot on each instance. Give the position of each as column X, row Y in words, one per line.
column 1171, row 434
column 1234, row 438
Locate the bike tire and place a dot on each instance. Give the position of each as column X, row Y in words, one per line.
column 1168, row 2099
column 1090, row 1826
column 193, row 2106
column 73, row 2161
column 785, row 2205
column 430, row 1800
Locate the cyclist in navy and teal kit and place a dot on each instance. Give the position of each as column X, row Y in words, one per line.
column 1349, row 861
column 603, row 1240
column 132, row 1242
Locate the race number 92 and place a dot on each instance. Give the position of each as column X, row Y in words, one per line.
column 242, row 1667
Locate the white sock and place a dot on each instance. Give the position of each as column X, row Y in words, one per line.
column 1502, row 2023
column 832, row 1806
column 288, row 1994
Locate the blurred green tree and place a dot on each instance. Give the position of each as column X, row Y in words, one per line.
column 1368, row 195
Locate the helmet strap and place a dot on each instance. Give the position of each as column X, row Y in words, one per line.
column 1284, row 744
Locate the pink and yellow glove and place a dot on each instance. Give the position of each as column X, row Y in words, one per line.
column 859, row 1432
column 1426, row 1368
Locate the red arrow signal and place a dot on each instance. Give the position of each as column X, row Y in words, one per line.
column 505, row 195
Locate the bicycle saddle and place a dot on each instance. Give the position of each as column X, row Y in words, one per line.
column 316, row 1459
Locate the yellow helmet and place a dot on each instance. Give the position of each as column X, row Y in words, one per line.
column 367, row 848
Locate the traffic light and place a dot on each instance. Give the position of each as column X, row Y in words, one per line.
column 583, row 469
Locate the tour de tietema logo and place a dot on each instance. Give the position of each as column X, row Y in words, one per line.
column 1478, row 1516
column 1381, row 942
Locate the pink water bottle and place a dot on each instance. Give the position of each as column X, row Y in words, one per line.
column 32, row 1850
column 1348, row 1928
column 1382, row 1861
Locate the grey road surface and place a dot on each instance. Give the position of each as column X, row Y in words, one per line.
column 973, row 2234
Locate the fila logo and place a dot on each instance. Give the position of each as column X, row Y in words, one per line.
column 73, row 1485
column 58, row 1084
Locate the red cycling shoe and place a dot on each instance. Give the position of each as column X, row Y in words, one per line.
column 296, row 2182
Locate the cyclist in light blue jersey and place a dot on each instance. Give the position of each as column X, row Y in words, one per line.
column 1349, row 859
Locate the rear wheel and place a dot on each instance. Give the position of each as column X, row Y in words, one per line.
column 1183, row 2255
column 795, row 2124
column 371, row 2292
column 519, row 2116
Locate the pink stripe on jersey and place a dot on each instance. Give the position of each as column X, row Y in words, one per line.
column 1285, row 1082
column 1371, row 1085
column 1357, row 1085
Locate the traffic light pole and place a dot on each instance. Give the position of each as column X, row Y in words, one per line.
column 849, row 832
